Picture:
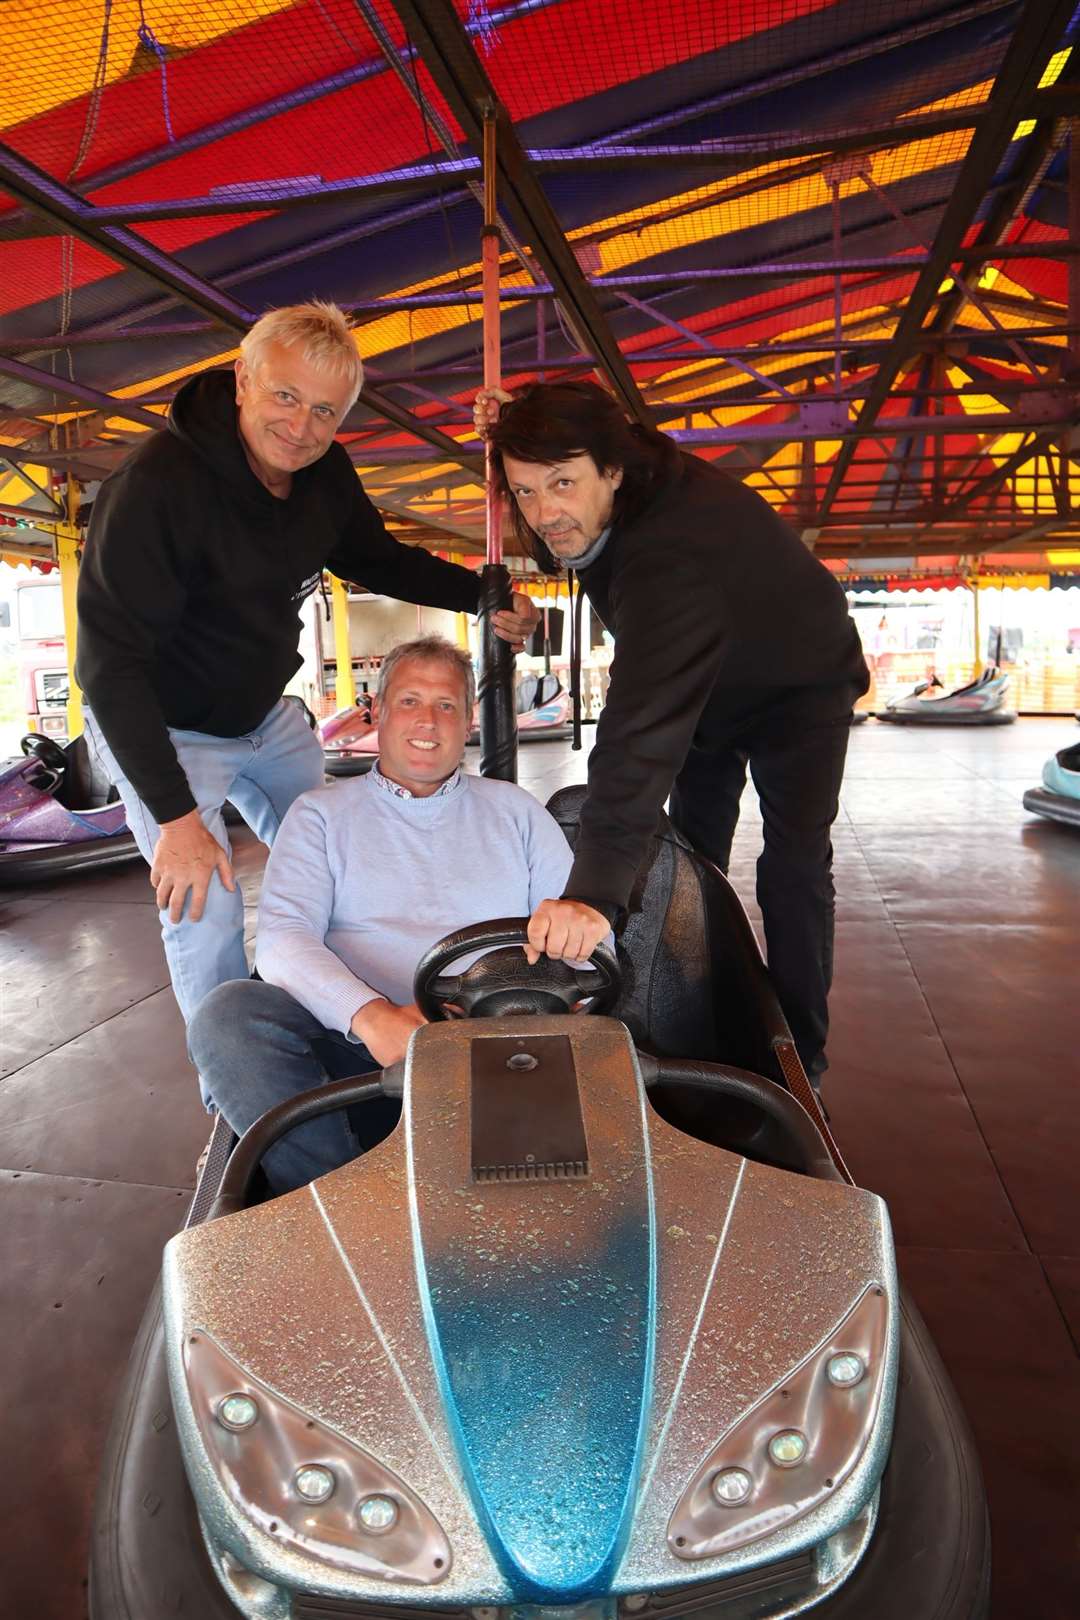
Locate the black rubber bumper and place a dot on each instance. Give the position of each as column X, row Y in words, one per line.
column 147, row 1558
column 929, row 1558
column 536, row 734
column 1055, row 806
column 999, row 717
column 65, row 860
column 348, row 764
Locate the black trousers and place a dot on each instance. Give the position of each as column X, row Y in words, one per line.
column 794, row 742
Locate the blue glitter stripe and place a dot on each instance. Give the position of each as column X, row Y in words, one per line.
column 544, row 1357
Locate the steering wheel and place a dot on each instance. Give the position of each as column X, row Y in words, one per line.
column 51, row 755
column 503, row 982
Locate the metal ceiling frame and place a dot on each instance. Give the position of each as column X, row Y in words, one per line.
column 62, row 206
column 916, row 452
column 814, row 67
column 885, row 268
column 443, row 44
column 1037, row 35
column 64, row 388
column 300, row 96
column 331, row 84
column 53, row 508
column 720, row 157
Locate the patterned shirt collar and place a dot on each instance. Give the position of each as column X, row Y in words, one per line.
column 400, row 792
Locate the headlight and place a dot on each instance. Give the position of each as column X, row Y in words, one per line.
column 237, row 1412
column 301, row 1483
column 795, row 1448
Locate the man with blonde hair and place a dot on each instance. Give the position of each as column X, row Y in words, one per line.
column 202, row 546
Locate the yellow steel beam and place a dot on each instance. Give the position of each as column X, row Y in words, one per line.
column 344, row 686
column 67, row 556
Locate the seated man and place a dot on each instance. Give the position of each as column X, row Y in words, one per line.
column 363, row 878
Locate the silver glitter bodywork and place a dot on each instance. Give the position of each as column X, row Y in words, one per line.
column 324, row 1301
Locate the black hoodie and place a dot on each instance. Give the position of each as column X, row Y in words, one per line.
column 717, row 608
column 192, row 578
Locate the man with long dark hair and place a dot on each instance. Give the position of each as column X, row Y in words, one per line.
column 733, row 648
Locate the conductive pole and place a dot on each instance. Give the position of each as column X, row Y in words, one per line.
column 1074, row 228
column 498, row 723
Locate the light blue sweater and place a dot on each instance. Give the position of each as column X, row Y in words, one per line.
column 360, row 883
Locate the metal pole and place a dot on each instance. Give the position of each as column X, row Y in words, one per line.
column 491, row 245
column 498, row 724
column 1074, row 225
column 838, row 287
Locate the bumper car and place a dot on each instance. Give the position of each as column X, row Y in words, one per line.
column 543, row 710
column 58, row 814
column 599, row 1330
column 1059, row 797
column 350, row 740
column 980, row 703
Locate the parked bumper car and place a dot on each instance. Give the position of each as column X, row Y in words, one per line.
column 596, row 1330
column 58, row 814
column 350, row 740
column 1059, row 796
column 979, row 703
column 543, row 710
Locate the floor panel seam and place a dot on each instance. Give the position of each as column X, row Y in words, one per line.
column 93, row 1181
column 89, row 1030
column 967, row 1248
column 1074, row 1337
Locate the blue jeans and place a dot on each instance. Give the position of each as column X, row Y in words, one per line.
column 256, row 1046
column 261, row 773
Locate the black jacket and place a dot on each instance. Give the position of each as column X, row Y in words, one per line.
column 715, row 605
column 192, row 578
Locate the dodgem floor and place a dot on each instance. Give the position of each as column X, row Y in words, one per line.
column 952, row 1089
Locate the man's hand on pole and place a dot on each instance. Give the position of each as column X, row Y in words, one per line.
column 486, row 407
column 186, row 856
column 516, row 624
column 565, row 929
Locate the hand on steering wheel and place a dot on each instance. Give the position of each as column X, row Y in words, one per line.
column 503, row 982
